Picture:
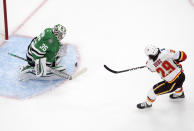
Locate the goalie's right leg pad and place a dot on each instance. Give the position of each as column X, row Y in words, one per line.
column 26, row 73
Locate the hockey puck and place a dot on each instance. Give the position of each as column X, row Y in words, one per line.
column 76, row 64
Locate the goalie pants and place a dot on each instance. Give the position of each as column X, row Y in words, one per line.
column 164, row 87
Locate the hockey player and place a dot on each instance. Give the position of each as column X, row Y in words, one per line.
column 166, row 63
column 44, row 51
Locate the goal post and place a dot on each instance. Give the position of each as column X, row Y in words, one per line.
column 3, row 21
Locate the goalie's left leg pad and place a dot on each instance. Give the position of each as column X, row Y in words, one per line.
column 10, row 86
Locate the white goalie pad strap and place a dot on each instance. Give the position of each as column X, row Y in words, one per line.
column 40, row 67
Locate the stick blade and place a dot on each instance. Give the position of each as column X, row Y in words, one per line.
column 106, row 67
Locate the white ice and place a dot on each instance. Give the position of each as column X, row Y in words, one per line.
column 112, row 32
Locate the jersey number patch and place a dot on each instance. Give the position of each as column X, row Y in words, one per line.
column 166, row 68
column 44, row 47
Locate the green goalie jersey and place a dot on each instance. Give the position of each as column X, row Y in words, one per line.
column 45, row 45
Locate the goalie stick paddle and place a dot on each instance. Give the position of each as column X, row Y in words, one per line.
column 131, row 69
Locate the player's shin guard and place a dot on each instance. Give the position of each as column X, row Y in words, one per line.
column 151, row 96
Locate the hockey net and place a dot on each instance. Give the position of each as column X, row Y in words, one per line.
column 3, row 21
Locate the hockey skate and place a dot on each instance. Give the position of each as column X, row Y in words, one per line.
column 177, row 97
column 143, row 105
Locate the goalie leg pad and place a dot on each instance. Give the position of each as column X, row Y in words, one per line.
column 51, row 76
column 40, row 67
column 26, row 73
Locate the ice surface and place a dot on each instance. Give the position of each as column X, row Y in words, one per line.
column 111, row 32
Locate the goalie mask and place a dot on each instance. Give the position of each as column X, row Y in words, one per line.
column 152, row 52
column 59, row 31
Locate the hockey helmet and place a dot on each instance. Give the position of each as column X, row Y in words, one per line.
column 59, row 31
column 151, row 51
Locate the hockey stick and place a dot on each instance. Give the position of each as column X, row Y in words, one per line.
column 83, row 70
column 11, row 54
column 56, row 72
column 113, row 71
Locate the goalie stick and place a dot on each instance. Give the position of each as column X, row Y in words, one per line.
column 56, row 72
column 131, row 69
column 83, row 70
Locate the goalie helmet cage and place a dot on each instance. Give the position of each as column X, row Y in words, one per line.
column 3, row 20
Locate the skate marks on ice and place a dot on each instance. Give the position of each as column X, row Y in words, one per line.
column 9, row 66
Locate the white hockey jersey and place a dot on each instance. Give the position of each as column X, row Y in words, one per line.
column 166, row 65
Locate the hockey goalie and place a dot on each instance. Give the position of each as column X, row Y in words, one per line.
column 43, row 54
